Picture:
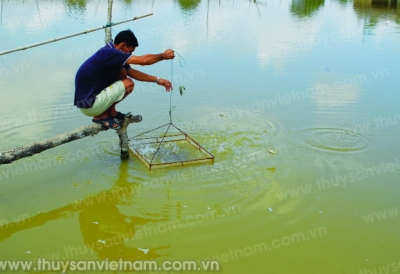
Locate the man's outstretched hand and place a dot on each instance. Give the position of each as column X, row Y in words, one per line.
column 165, row 83
column 169, row 54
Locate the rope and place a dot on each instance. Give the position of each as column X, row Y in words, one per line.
column 170, row 95
column 72, row 35
column 180, row 59
column 171, row 108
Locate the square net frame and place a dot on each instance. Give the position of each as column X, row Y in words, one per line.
column 203, row 155
column 181, row 136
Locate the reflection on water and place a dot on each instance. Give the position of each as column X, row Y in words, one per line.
column 388, row 4
column 104, row 229
column 344, row 2
column 187, row 5
column 76, row 4
column 1, row 12
column 375, row 11
column 305, row 8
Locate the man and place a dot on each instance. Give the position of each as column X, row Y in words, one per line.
column 102, row 80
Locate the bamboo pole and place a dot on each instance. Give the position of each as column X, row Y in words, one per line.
column 108, row 37
column 72, row 35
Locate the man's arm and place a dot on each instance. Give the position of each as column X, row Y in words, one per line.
column 143, row 77
column 150, row 59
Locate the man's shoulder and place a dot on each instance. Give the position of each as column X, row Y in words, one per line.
column 109, row 49
column 106, row 49
column 106, row 56
column 103, row 53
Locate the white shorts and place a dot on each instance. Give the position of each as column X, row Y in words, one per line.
column 105, row 99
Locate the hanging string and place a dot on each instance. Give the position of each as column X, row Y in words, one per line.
column 170, row 93
column 180, row 59
column 171, row 108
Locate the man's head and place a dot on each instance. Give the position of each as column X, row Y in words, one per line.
column 126, row 41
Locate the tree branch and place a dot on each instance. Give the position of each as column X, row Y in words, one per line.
column 10, row 156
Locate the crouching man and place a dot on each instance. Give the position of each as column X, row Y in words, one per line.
column 104, row 79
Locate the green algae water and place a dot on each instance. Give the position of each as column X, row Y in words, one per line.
column 297, row 100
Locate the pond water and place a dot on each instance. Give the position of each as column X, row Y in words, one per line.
column 297, row 100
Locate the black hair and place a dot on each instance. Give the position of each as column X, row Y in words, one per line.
column 128, row 37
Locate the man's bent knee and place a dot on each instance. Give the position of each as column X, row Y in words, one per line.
column 129, row 85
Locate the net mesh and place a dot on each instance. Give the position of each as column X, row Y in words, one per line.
column 168, row 146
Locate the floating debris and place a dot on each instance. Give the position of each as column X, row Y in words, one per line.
column 272, row 151
column 102, row 241
column 272, row 169
column 28, row 252
column 96, row 223
column 144, row 250
column 270, row 209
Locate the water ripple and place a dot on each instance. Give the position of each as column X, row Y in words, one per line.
column 334, row 139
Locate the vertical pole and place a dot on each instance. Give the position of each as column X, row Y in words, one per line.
column 124, row 140
column 208, row 10
column 1, row 13
column 108, row 38
column 37, row 6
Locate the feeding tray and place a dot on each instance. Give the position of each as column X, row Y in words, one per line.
column 168, row 146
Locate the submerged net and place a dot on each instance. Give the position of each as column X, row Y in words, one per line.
column 168, row 146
